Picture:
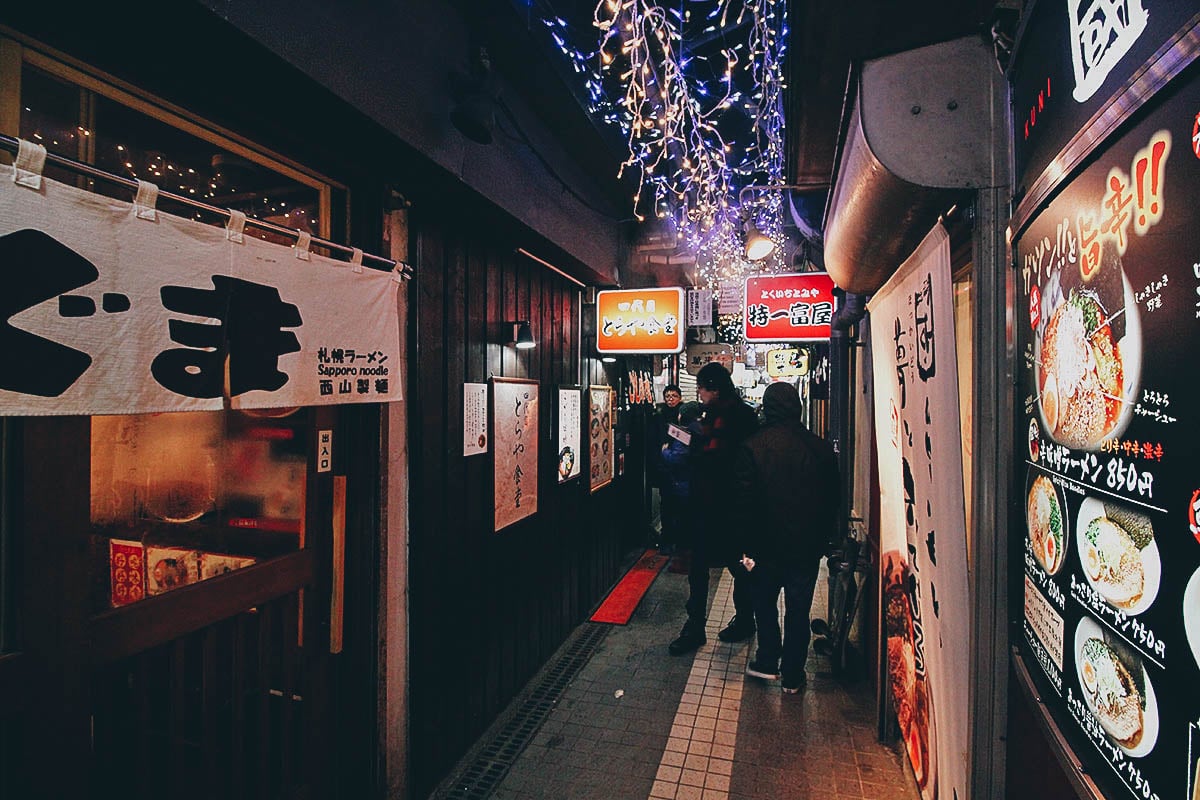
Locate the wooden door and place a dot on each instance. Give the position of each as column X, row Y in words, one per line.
column 218, row 688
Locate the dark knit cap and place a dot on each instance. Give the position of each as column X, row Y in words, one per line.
column 781, row 403
column 714, row 377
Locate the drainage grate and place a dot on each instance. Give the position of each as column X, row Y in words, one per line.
column 491, row 762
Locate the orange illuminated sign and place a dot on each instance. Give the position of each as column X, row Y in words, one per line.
column 639, row 321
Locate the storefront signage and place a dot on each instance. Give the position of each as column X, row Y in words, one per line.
column 796, row 307
column 1073, row 57
column 699, row 307
column 109, row 311
column 1100, row 34
column 787, row 362
column 515, row 429
column 700, row 354
column 570, row 408
column 1108, row 288
column 601, row 445
column 729, row 297
column 922, row 517
column 324, row 450
column 639, row 321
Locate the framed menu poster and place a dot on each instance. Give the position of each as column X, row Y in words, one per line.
column 600, row 436
column 1107, row 431
column 475, row 421
column 515, row 437
column 570, row 408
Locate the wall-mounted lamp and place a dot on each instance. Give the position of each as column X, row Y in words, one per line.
column 522, row 335
column 758, row 244
column 608, row 359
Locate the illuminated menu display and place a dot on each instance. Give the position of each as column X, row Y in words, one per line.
column 1108, row 434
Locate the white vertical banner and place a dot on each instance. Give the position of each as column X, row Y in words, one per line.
column 922, row 518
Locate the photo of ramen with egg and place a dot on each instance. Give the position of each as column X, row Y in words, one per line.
column 1087, row 353
column 1045, row 519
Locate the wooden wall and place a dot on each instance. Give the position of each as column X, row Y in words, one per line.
column 487, row 608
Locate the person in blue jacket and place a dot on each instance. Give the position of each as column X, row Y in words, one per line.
column 675, row 468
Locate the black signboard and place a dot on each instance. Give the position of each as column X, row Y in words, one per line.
column 1108, row 437
column 1074, row 56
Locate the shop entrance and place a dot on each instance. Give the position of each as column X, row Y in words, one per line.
column 176, row 617
column 173, row 631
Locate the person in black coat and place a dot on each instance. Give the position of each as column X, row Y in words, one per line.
column 787, row 480
column 727, row 421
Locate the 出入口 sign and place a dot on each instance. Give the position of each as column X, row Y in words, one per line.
column 796, row 307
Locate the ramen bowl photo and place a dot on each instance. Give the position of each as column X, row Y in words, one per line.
column 1119, row 554
column 1046, row 522
column 1088, row 364
column 1117, row 689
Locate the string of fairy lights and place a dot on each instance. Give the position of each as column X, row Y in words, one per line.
column 204, row 181
column 697, row 91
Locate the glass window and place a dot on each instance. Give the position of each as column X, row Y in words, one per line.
column 89, row 126
column 182, row 497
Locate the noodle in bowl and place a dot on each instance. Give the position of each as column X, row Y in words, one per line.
column 1086, row 379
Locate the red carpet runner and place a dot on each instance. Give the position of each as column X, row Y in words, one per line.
column 623, row 600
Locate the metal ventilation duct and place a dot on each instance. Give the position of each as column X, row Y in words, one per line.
column 927, row 126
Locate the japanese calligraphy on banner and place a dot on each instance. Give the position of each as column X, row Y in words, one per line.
column 639, row 321
column 600, row 436
column 1107, row 321
column 570, row 413
column 111, row 313
column 515, row 432
column 922, row 517
column 797, row 307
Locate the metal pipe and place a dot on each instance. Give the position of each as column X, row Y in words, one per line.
column 551, row 267
column 12, row 144
column 778, row 187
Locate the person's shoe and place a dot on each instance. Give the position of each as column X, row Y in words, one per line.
column 736, row 631
column 794, row 687
column 689, row 639
column 762, row 669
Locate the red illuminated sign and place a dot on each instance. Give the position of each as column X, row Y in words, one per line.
column 796, row 307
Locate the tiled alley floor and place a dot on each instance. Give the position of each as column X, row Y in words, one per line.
column 634, row 722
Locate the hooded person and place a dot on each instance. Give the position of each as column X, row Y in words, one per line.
column 786, row 478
